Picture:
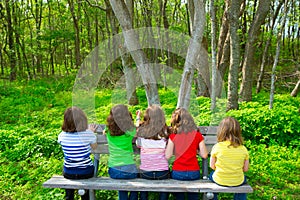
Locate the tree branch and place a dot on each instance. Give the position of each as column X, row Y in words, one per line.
column 95, row 6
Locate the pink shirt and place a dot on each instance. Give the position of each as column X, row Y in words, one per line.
column 153, row 154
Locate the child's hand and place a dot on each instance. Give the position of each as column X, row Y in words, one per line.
column 138, row 118
column 93, row 127
column 138, row 113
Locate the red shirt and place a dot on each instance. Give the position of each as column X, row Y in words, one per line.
column 185, row 150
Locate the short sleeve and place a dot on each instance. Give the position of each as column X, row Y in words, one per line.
column 213, row 152
column 201, row 138
column 172, row 135
column 88, row 136
column 131, row 132
column 59, row 139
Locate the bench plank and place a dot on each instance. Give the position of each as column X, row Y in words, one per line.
column 168, row 185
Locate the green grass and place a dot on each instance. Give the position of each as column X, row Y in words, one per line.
column 31, row 118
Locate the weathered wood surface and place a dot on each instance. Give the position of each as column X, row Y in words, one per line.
column 168, row 185
column 209, row 133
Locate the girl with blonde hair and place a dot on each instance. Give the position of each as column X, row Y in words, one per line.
column 229, row 157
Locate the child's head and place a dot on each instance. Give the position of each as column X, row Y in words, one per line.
column 230, row 129
column 154, row 124
column 119, row 120
column 75, row 120
column 182, row 121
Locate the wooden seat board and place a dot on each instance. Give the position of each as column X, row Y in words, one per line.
column 168, row 185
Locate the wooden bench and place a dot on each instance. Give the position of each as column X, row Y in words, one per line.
column 170, row 185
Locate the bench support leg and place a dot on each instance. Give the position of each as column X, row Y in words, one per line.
column 92, row 194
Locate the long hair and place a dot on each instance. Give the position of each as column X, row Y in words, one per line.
column 154, row 124
column 119, row 120
column 182, row 121
column 230, row 129
column 75, row 120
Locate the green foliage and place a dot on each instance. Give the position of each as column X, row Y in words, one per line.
column 274, row 172
column 280, row 125
column 32, row 115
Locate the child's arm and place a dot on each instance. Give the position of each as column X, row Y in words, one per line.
column 138, row 118
column 203, row 150
column 246, row 165
column 94, row 146
column 169, row 149
column 212, row 162
column 93, row 127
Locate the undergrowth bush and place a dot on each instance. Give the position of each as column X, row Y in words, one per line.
column 32, row 114
column 280, row 125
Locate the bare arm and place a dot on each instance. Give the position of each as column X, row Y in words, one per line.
column 203, row 150
column 169, row 149
column 94, row 146
column 246, row 165
column 212, row 162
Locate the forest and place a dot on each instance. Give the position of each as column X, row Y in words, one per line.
column 216, row 58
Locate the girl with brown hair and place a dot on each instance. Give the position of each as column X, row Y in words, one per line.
column 152, row 139
column 76, row 140
column 185, row 141
column 120, row 132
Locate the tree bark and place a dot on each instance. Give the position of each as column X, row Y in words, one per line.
column 249, row 61
column 77, row 32
column 11, row 44
column 133, row 45
column 296, row 90
column 264, row 56
column 214, row 55
column 279, row 36
column 192, row 53
column 233, row 14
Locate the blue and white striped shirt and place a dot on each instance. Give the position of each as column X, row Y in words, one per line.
column 77, row 148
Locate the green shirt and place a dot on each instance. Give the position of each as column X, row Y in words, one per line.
column 120, row 149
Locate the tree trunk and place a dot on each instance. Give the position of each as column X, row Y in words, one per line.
column 249, row 61
column 279, row 36
column 126, row 62
column 296, row 90
column 11, row 45
column 264, row 56
column 133, row 45
column 192, row 53
column 77, row 32
column 234, row 54
column 214, row 55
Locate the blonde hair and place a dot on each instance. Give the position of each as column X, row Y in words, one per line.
column 182, row 121
column 154, row 124
column 230, row 130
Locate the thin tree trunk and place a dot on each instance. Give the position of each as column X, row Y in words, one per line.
column 234, row 55
column 77, row 33
column 296, row 90
column 126, row 62
column 277, row 55
column 133, row 45
column 248, row 62
column 192, row 53
column 11, row 45
column 264, row 57
column 214, row 55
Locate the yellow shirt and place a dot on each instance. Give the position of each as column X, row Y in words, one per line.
column 229, row 163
